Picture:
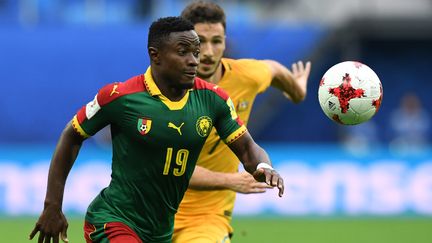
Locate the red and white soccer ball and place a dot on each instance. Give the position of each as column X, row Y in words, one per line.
column 350, row 93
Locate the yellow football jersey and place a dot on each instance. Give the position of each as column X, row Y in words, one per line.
column 243, row 79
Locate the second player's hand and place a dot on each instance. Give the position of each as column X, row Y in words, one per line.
column 300, row 73
column 245, row 183
column 271, row 178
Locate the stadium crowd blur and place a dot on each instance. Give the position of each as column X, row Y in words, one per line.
column 50, row 48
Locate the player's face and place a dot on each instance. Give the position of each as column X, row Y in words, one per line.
column 180, row 58
column 212, row 38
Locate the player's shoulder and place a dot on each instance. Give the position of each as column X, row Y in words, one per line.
column 244, row 63
column 248, row 71
column 250, row 68
column 113, row 91
column 201, row 84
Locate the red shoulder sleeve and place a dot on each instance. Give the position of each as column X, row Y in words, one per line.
column 202, row 84
column 110, row 92
column 115, row 90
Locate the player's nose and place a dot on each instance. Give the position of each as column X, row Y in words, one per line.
column 206, row 50
column 192, row 60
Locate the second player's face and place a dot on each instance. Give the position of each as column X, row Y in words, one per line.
column 212, row 38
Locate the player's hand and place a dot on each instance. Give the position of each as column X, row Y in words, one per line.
column 271, row 178
column 51, row 225
column 300, row 73
column 244, row 182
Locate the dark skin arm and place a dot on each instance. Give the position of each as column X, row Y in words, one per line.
column 52, row 223
column 251, row 154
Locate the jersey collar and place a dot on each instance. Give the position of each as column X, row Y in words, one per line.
column 227, row 73
column 153, row 90
column 150, row 84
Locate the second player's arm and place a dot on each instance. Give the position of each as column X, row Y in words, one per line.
column 243, row 182
column 251, row 154
column 292, row 83
column 52, row 222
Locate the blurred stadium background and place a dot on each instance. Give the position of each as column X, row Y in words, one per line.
column 368, row 183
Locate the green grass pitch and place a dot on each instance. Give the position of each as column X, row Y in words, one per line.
column 277, row 230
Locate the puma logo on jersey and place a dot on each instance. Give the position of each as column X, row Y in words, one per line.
column 171, row 125
column 114, row 90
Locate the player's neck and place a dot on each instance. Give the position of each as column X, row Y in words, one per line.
column 217, row 76
column 173, row 94
column 169, row 91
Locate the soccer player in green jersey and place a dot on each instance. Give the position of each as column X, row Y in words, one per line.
column 159, row 122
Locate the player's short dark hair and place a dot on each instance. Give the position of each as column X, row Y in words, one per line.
column 161, row 29
column 204, row 12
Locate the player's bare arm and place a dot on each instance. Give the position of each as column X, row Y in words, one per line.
column 292, row 83
column 251, row 155
column 52, row 224
column 243, row 182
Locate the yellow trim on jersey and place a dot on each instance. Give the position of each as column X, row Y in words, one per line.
column 78, row 128
column 150, row 84
column 153, row 90
column 89, row 235
column 236, row 134
column 175, row 105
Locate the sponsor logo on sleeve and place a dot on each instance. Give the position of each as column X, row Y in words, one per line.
column 114, row 90
column 232, row 108
column 92, row 108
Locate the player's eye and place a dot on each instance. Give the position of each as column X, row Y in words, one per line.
column 217, row 41
column 196, row 53
column 181, row 52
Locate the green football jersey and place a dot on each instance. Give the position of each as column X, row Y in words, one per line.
column 156, row 143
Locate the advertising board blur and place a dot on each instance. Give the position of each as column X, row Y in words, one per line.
column 319, row 180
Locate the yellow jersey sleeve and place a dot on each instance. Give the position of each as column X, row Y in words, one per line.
column 257, row 72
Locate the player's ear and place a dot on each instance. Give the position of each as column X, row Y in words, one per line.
column 154, row 54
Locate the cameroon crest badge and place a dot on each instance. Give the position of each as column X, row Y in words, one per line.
column 144, row 125
column 203, row 126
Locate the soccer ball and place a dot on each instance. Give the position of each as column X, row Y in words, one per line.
column 350, row 93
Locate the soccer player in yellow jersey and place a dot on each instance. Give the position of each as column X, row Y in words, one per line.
column 205, row 211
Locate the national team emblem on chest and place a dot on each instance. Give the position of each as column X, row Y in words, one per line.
column 242, row 105
column 203, row 126
column 144, row 125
